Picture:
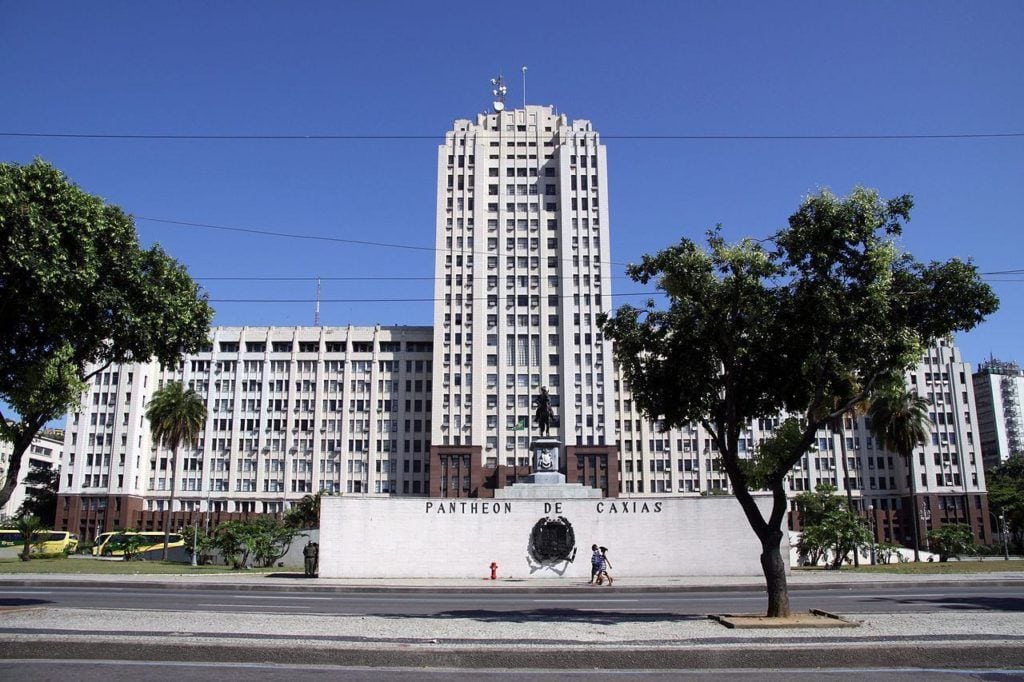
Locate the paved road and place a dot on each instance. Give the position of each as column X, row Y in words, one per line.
column 113, row 671
column 454, row 604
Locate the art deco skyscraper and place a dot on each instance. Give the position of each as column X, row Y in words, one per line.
column 522, row 273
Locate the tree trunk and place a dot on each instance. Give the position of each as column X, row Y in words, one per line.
column 170, row 503
column 775, row 575
column 840, row 422
column 913, row 510
column 21, row 444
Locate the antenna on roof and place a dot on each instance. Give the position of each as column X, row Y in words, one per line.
column 524, row 88
column 316, row 312
column 499, row 93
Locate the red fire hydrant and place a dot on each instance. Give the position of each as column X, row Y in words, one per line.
column 494, row 571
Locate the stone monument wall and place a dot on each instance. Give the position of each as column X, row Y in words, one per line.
column 378, row 537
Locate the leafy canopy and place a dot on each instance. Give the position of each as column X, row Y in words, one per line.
column 76, row 288
column 305, row 513
column 42, row 484
column 830, row 527
column 262, row 539
column 1006, row 497
column 806, row 324
column 951, row 541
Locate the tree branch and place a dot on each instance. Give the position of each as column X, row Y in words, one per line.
column 92, row 374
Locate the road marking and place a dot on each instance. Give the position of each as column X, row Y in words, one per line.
column 251, row 606
column 246, row 596
column 896, row 596
column 583, row 601
column 629, row 611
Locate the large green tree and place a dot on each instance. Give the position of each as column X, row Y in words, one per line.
column 806, row 323
column 1006, row 498
column 78, row 293
column 899, row 421
column 41, row 486
column 176, row 416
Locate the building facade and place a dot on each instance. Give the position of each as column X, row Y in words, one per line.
column 999, row 392
column 44, row 452
column 521, row 274
column 290, row 411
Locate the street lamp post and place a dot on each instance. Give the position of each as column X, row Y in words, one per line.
column 926, row 516
column 871, row 520
column 195, row 542
column 1002, row 531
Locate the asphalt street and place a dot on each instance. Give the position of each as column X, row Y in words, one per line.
column 454, row 604
column 115, row 671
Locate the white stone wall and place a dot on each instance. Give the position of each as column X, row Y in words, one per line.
column 444, row 538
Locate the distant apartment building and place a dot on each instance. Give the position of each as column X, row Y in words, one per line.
column 999, row 393
column 522, row 271
column 949, row 481
column 44, row 452
column 290, row 411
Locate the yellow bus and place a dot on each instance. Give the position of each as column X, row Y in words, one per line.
column 53, row 542
column 43, row 541
column 10, row 538
column 153, row 540
column 101, row 540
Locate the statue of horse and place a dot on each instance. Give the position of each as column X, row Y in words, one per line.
column 544, row 414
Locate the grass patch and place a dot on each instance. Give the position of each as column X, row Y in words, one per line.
column 992, row 565
column 96, row 567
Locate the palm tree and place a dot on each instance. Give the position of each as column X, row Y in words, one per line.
column 305, row 513
column 28, row 526
column 899, row 421
column 176, row 417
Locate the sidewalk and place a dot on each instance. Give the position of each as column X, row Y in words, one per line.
column 293, row 580
column 589, row 630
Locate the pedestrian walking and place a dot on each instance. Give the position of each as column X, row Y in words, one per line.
column 595, row 564
column 599, row 566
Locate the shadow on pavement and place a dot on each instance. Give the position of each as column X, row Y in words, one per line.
column 296, row 574
column 593, row 617
column 20, row 603
column 961, row 603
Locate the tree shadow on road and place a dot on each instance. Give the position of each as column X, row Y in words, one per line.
column 593, row 617
column 22, row 603
column 960, row 603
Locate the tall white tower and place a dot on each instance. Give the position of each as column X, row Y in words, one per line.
column 522, row 273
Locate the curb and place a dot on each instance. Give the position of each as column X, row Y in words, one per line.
column 489, row 589
column 947, row 654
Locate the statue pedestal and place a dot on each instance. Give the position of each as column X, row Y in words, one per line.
column 547, row 491
column 547, row 479
column 547, row 462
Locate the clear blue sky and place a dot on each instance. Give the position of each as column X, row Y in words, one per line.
column 411, row 68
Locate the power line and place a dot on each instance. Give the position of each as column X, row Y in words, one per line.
column 297, row 235
column 442, row 137
column 373, row 278
column 290, row 235
column 390, row 300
